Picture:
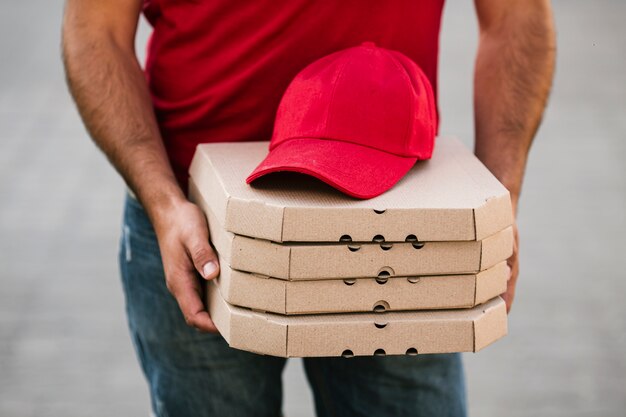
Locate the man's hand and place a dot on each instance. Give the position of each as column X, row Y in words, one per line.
column 513, row 76
column 184, row 242
column 513, row 263
column 112, row 97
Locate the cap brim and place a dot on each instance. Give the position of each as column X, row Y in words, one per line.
column 356, row 170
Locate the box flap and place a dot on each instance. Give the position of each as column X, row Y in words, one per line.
column 491, row 325
column 246, row 329
column 222, row 241
column 495, row 212
column 496, row 248
column 253, row 291
column 248, row 254
column 491, row 282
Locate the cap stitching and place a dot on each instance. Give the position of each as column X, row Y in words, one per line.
column 430, row 93
column 332, row 94
column 345, row 141
column 411, row 118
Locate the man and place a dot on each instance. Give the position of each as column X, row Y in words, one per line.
column 215, row 72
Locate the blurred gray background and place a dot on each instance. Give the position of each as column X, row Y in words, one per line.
column 64, row 347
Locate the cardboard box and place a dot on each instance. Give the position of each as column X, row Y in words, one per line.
column 360, row 334
column 451, row 197
column 362, row 294
column 296, row 261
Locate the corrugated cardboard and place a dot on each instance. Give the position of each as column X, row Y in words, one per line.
column 451, row 197
column 296, row 261
column 363, row 294
column 361, row 334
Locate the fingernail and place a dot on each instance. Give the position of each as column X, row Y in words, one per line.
column 208, row 269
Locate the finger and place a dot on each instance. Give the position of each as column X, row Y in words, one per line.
column 204, row 258
column 513, row 263
column 509, row 295
column 187, row 291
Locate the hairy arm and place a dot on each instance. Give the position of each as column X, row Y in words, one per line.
column 513, row 76
column 112, row 97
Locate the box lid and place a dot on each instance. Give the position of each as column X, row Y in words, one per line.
column 361, row 334
column 448, row 198
column 362, row 294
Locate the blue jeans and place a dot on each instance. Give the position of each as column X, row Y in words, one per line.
column 196, row 374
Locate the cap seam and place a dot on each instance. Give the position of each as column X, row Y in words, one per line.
column 332, row 94
column 430, row 93
column 411, row 119
column 350, row 142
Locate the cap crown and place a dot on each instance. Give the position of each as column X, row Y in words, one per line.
column 364, row 95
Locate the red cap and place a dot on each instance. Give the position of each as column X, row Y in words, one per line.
column 357, row 119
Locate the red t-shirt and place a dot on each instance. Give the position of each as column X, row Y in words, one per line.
column 217, row 69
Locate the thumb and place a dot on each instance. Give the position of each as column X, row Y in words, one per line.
column 204, row 259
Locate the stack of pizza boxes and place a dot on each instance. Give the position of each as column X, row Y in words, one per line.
column 308, row 271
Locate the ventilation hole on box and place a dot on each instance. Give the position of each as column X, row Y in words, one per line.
column 379, row 211
column 381, row 306
column 382, row 279
column 345, row 238
column 350, row 281
column 354, row 248
column 380, row 325
column 413, row 280
column 386, row 246
column 347, row 353
column 379, row 352
column 385, row 272
column 413, row 240
column 411, row 351
column 378, row 238
column 418, row 245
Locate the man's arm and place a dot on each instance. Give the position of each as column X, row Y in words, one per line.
column 513, row 76
column 110, row 91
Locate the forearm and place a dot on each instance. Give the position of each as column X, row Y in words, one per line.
column 112, row 96
column 110, row 91
column 513, row 75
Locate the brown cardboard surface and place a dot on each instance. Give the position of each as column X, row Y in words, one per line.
column 451, row 197
column 296, row 261
column 361, row 334
column 362, row 294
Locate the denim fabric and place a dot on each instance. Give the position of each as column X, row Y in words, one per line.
column 195, row 374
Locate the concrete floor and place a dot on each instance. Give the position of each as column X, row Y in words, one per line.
column 64, row 348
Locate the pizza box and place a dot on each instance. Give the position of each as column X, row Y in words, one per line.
column 324, row 260
column 358, row 334
column 451, row 197
column 351, row 295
